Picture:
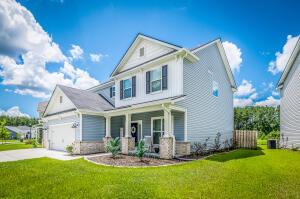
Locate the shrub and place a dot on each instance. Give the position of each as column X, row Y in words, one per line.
column 69, row 149
column 140, row 151
column 113, row 146
column 199, row 148
column 274, row 135
column 217, row 144
column 34, row 143
column 28, row 141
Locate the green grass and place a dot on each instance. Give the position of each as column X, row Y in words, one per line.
column 13, row 145
column 239, row 174
column 262, row 142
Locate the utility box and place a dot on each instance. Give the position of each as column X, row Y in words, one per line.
column 272, row 143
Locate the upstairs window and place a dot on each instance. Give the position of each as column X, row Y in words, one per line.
column 112, row 91
column 155, row 80
column 60, row 99
column 142, row 51
column 215, row 88
column 127, row 90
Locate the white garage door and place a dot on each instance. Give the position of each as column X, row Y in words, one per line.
column 61, row 136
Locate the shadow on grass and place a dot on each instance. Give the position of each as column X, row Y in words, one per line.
column 238, row 154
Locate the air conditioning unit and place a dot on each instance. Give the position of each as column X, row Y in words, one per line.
column 273, row 144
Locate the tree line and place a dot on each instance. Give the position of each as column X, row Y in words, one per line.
column 18, row 121
column 266, row 120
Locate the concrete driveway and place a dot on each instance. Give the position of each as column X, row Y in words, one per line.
column 22, row 154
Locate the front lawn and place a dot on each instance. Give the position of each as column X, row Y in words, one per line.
column 13, row 145
column 239, row 174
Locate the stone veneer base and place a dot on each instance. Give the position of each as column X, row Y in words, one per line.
column 166, row 147
column 182, row 148
column 88, row 147
column 127, row 144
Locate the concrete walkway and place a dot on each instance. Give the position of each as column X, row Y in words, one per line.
column 22, row 154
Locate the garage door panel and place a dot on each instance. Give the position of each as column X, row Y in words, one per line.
column 61, row 136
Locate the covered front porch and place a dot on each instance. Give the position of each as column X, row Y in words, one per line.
column 162, row 126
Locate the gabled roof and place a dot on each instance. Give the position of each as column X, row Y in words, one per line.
column 18, row 129
column 220, row 46
column 84, row 100
column 138, row 37
column 289, row 64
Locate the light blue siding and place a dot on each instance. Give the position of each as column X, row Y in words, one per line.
column 178, row 125
column 93, row 128
column 206, row 114
column 115, row 124
column 69, row 119
column 289, row 106
column 105, row 92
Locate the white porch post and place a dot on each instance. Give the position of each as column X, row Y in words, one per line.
column 168, row 123
column 127, row 125
column 167, row 142
column 107, row 126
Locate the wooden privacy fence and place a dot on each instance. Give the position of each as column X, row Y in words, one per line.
column 245, row 139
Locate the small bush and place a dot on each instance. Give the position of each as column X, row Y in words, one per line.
column 217, row 143
column 69, row 149
column 199, row 148
column 34, row 143
column 113, row 147
column 274, row 135
column 140, row 150
column 28, row 141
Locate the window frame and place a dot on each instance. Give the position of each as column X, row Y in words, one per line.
column 215, row 85
column 60, row 99
column 162, row 129
column 142, row 49
column 151, row 80
column 113, row 91
column 129, row 79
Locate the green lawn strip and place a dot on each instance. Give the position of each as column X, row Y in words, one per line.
column 14, row 146
column 238, row 174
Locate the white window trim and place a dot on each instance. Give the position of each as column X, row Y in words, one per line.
column 113, row 91
column 160, row 90
column 130, row 79
column 140, row 51
column 162, row 130
column 213, row 82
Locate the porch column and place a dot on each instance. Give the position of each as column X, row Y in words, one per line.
column 127, row 125
column 127, row 142
column 167, row 142
column 107, row 137
column 107, row 126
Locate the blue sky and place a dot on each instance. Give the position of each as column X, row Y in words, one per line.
column 258, row 29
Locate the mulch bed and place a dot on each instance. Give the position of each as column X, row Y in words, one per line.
column 131, row 161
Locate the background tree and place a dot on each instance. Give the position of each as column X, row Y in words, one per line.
column 4, row 134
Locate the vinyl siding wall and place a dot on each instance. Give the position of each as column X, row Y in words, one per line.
column 206, row 114
column 68, row 119
column 289, row 106
column 105, row 92
column 93, row 128
column 115, row 124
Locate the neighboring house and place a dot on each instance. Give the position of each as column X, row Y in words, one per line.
column 289, row 86
column 165, row 93
column 24, row 131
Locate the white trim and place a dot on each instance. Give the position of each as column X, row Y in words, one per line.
column 61, row 124
column 185, row 125
column 101, row 86
column 58, row 116
column 162, row 130
column 140, row 122
column 172, row 126
column 80, row 127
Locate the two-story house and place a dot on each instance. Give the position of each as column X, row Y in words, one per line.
column 163, row 92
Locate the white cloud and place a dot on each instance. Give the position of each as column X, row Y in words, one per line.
column 233, row 54
column 270, row 101
column 97, row 57
column 13, row 112
column 275, row 93
column 242, row 102
column 76, row 52
column 26, row 37
column 245, row 89
column 283, row 57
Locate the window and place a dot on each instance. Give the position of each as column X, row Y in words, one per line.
column 127, row 89
column 155, row 80
column 215, row 89
column 113, row 91
column 157, row 129
column 142, row 52
column 60, row 99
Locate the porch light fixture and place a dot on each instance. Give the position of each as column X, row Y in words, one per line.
column 75, row 125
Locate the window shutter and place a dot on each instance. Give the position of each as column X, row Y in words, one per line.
column 110, row 92
column 133, row 86
column 148, row 82
column 121, row 89
column 165, row 77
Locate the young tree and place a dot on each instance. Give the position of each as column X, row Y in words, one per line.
column 113, row 146
column 4, row 134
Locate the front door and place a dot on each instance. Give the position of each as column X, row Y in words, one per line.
column 134, row 131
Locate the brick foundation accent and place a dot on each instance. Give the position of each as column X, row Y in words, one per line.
column 166, row 147
column 127, row 144
column 182, row 148
column 88, row 147
column 106, row 141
